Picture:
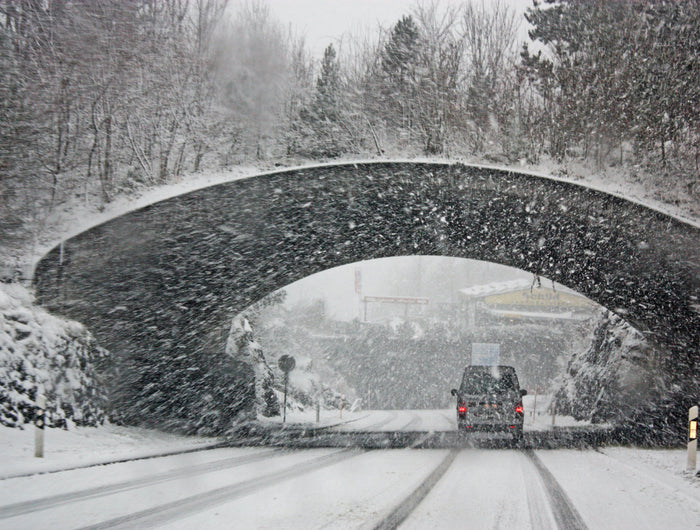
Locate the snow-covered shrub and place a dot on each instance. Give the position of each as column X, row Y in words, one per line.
column 307, row 399
column 42, row 354
column 242, row 347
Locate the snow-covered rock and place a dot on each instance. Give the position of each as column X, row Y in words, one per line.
column 43, row 354
column 614, row 378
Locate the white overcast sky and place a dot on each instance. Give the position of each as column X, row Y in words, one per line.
column 326, row 21
column 412, row 276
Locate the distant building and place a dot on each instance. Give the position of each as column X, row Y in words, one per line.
column 523, row 301
column 393, row 306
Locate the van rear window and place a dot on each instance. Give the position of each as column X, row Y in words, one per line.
column 488, row 381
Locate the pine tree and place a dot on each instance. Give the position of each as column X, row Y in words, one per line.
column 400, row 62
column 321, row 125
column 326, row 105
column 617, row 72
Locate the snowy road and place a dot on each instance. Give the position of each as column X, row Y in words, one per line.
column 341, row 488
column 427, row 429
column 425, row 420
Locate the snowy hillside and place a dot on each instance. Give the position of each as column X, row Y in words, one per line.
column 40, row 353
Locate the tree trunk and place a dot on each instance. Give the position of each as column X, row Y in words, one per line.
column 91, row 155
column 165, row 154
column 138, row 153
column 106, row 174
column 380, row 151
column 180, row 159
column 197, row 156
column 57, row 165
column 663, row 151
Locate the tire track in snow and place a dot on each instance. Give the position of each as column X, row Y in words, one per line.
column 35, row 505
column 171, row 511
column 450, row 420
column 412, row 424
column 541, row 514
column 373, row 426
column 405, row 507
column 381, row 423
column 565, row 513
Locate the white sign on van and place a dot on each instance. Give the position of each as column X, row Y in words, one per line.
column 485, row 354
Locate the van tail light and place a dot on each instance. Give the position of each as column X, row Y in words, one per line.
column 461, row 409
column 519, row 408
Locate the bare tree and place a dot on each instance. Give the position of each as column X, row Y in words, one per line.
column 489, row 33
column 299, row 91
column 441, row 52
column 253, row 72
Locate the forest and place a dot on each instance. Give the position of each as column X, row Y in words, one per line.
column 102, row 97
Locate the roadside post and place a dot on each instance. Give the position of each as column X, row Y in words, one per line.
column 534, row 404
column 286, row 364
column 692, row 438
column 39, row 423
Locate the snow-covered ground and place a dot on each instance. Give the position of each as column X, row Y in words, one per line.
column 628, row 488
column 84, row 446
column 262, row 487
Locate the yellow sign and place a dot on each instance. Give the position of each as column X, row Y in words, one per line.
column 539, row 297
column 693, row 430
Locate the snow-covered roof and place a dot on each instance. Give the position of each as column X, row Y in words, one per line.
column 567, row 315
column 488, row 289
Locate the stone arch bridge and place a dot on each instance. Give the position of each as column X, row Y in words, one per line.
column 169, row 277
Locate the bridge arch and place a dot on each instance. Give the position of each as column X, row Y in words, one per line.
column 172, row 274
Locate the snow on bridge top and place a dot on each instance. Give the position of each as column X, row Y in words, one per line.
column 79, row 219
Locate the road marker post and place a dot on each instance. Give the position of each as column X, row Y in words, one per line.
column 692, row 438
column 538, row 390
column 39, row 423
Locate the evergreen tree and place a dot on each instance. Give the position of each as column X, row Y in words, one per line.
column 242, row 348
column 326, row 105
column 617, row 72
column 399, row 70
column 322, row 124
